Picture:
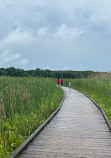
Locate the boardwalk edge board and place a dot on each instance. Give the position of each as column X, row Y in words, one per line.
column 17, row 152
column 103, row 112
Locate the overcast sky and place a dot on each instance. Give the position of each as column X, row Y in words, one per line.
column 56, row 34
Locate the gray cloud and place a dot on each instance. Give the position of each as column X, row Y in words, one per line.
column 17, row 37
column 34, row 14
column 8, row 57
column 65, row 32
column 56, row 34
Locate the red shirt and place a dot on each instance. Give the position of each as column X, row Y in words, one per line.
column 61, row 81
column 58, row 81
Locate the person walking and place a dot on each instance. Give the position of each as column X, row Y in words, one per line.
column 58, row 81
column 61, row 82
column 70, row 85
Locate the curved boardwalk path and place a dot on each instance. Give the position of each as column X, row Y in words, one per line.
column 78, row 130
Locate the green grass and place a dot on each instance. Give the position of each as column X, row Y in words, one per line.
column 98, row 88
column 25, row 103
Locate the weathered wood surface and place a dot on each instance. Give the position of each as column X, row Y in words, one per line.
column 79, row 130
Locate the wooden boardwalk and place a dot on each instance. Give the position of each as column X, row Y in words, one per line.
column 78, row 130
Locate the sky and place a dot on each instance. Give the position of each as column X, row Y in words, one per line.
column 56, row 34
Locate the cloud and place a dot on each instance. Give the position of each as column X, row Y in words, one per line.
column 9, row 57
column 39, row 30
column 42, row 32
column 53, row 13
column 40, row 15
column 24, row 62
column 17, row 37
column 67, row 32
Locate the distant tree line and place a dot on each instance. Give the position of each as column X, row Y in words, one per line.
column 44, row 73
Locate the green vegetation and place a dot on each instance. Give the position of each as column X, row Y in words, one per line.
column 98, row 88
column 24, row 104
column 45, row 73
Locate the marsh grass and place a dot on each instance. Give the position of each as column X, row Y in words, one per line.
column 24, row 104
column 98, row 88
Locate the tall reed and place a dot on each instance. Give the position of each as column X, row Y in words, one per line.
column 24, row 104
